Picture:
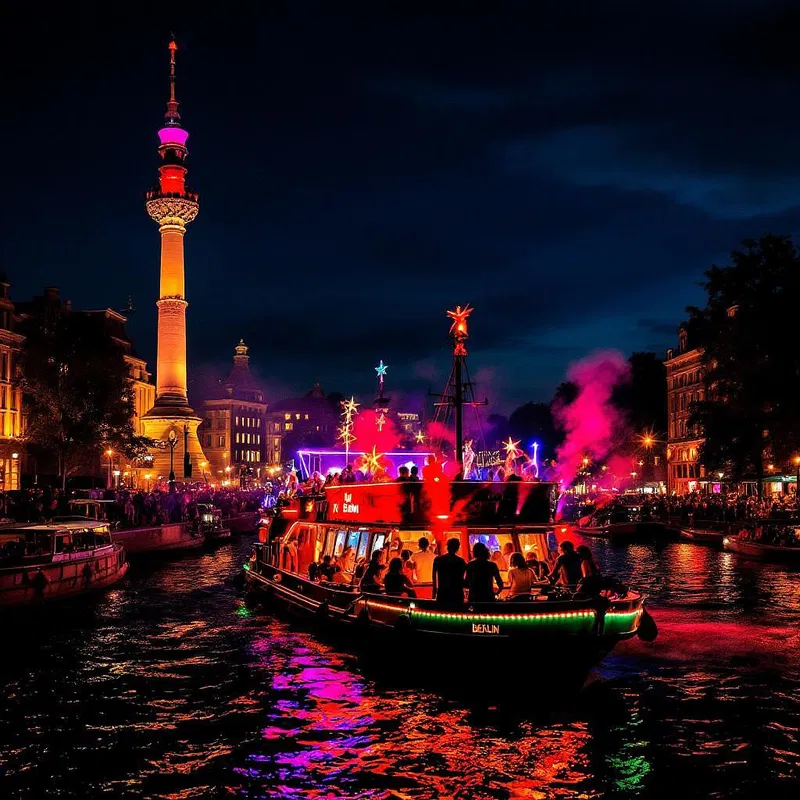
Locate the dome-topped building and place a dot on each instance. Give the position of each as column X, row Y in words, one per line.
column 233, row 433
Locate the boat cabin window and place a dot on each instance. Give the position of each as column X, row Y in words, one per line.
column 338, row 547
column 501, row 546
column 378, row 542
column 539, row 543
column 363, row 544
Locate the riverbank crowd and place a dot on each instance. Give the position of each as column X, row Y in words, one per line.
column 128, row 508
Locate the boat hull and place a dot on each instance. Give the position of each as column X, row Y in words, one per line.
column 702, row 536
column 243, row 523
column 636, row 532
column 165, row 538
column 575, row 636
column 221, row 535
column 21, row 586
column 766, row 552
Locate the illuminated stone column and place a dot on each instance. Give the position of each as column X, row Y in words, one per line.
column 173, row 207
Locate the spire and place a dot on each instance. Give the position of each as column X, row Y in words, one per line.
column 172, row 116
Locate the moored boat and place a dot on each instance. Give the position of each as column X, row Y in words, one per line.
column 777, row 543
column 55, row 560
column 209, row 523
column 243, row 522
column 702, row 535
column 171, row 536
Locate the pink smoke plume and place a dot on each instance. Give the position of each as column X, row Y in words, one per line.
column 591, row 423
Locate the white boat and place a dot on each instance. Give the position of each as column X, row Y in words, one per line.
column 58, row 559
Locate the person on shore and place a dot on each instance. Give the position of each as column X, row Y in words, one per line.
column 396, row 582
column 482, row 576
column 520, row 577
column 423, row 561
column 448, row 576
column 567, row 569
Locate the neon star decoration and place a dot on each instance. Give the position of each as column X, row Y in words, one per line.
column 350, row 407
column 420, row 437
column 381, row 421
column 512, row 451
column 371, row 461
column 459, row 316
column 345, row 432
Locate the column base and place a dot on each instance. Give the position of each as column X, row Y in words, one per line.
column 158, row 428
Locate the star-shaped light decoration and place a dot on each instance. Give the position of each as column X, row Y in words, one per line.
column 420, row 437
column 371, row 462
column 350, row 406
column 346, row 436
column 459, row 317
column 381, row 370
column 512, row 451
column 381, row 421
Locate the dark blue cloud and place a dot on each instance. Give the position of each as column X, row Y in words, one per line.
column 569, row 168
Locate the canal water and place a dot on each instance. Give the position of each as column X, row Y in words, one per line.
column 168, row 687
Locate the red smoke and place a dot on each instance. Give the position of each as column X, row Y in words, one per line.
column 591, row 423
column 368, row 434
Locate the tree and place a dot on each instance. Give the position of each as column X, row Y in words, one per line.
column 642, row 398
column 77, row 392
column 748, row 329
column 533, row 422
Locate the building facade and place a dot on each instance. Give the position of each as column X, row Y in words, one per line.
column 11, row 420
column 233, row 433
column 308, row 421
column 685, row 386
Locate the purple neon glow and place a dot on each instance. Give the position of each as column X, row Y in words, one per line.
column 173, row 135
column 406, row 453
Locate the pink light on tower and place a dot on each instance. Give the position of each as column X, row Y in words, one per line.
column 173, row 135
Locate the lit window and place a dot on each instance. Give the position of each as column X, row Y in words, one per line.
column 306, row 416
column 237, row 420
column 297, row 416
column 289, row 426
column 287, row 416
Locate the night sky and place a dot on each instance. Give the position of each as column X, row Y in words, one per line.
column 569, row 171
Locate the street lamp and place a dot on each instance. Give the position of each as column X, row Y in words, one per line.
column 172, row 441
column 203, row 465
column 110, row 454
column 796, row 460
column 147, row 477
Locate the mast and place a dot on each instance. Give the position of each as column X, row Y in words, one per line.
column 459, row 390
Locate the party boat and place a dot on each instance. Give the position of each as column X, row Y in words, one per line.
column 561, row 630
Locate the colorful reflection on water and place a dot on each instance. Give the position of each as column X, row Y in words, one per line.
column 168, row 687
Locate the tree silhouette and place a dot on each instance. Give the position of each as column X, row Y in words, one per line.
column 77, row 392
column 748, row 329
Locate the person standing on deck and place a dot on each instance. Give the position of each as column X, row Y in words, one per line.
column 448, row 576
column 482, row 576
column 423, row 562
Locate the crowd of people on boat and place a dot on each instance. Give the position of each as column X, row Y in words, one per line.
column 397, row 571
